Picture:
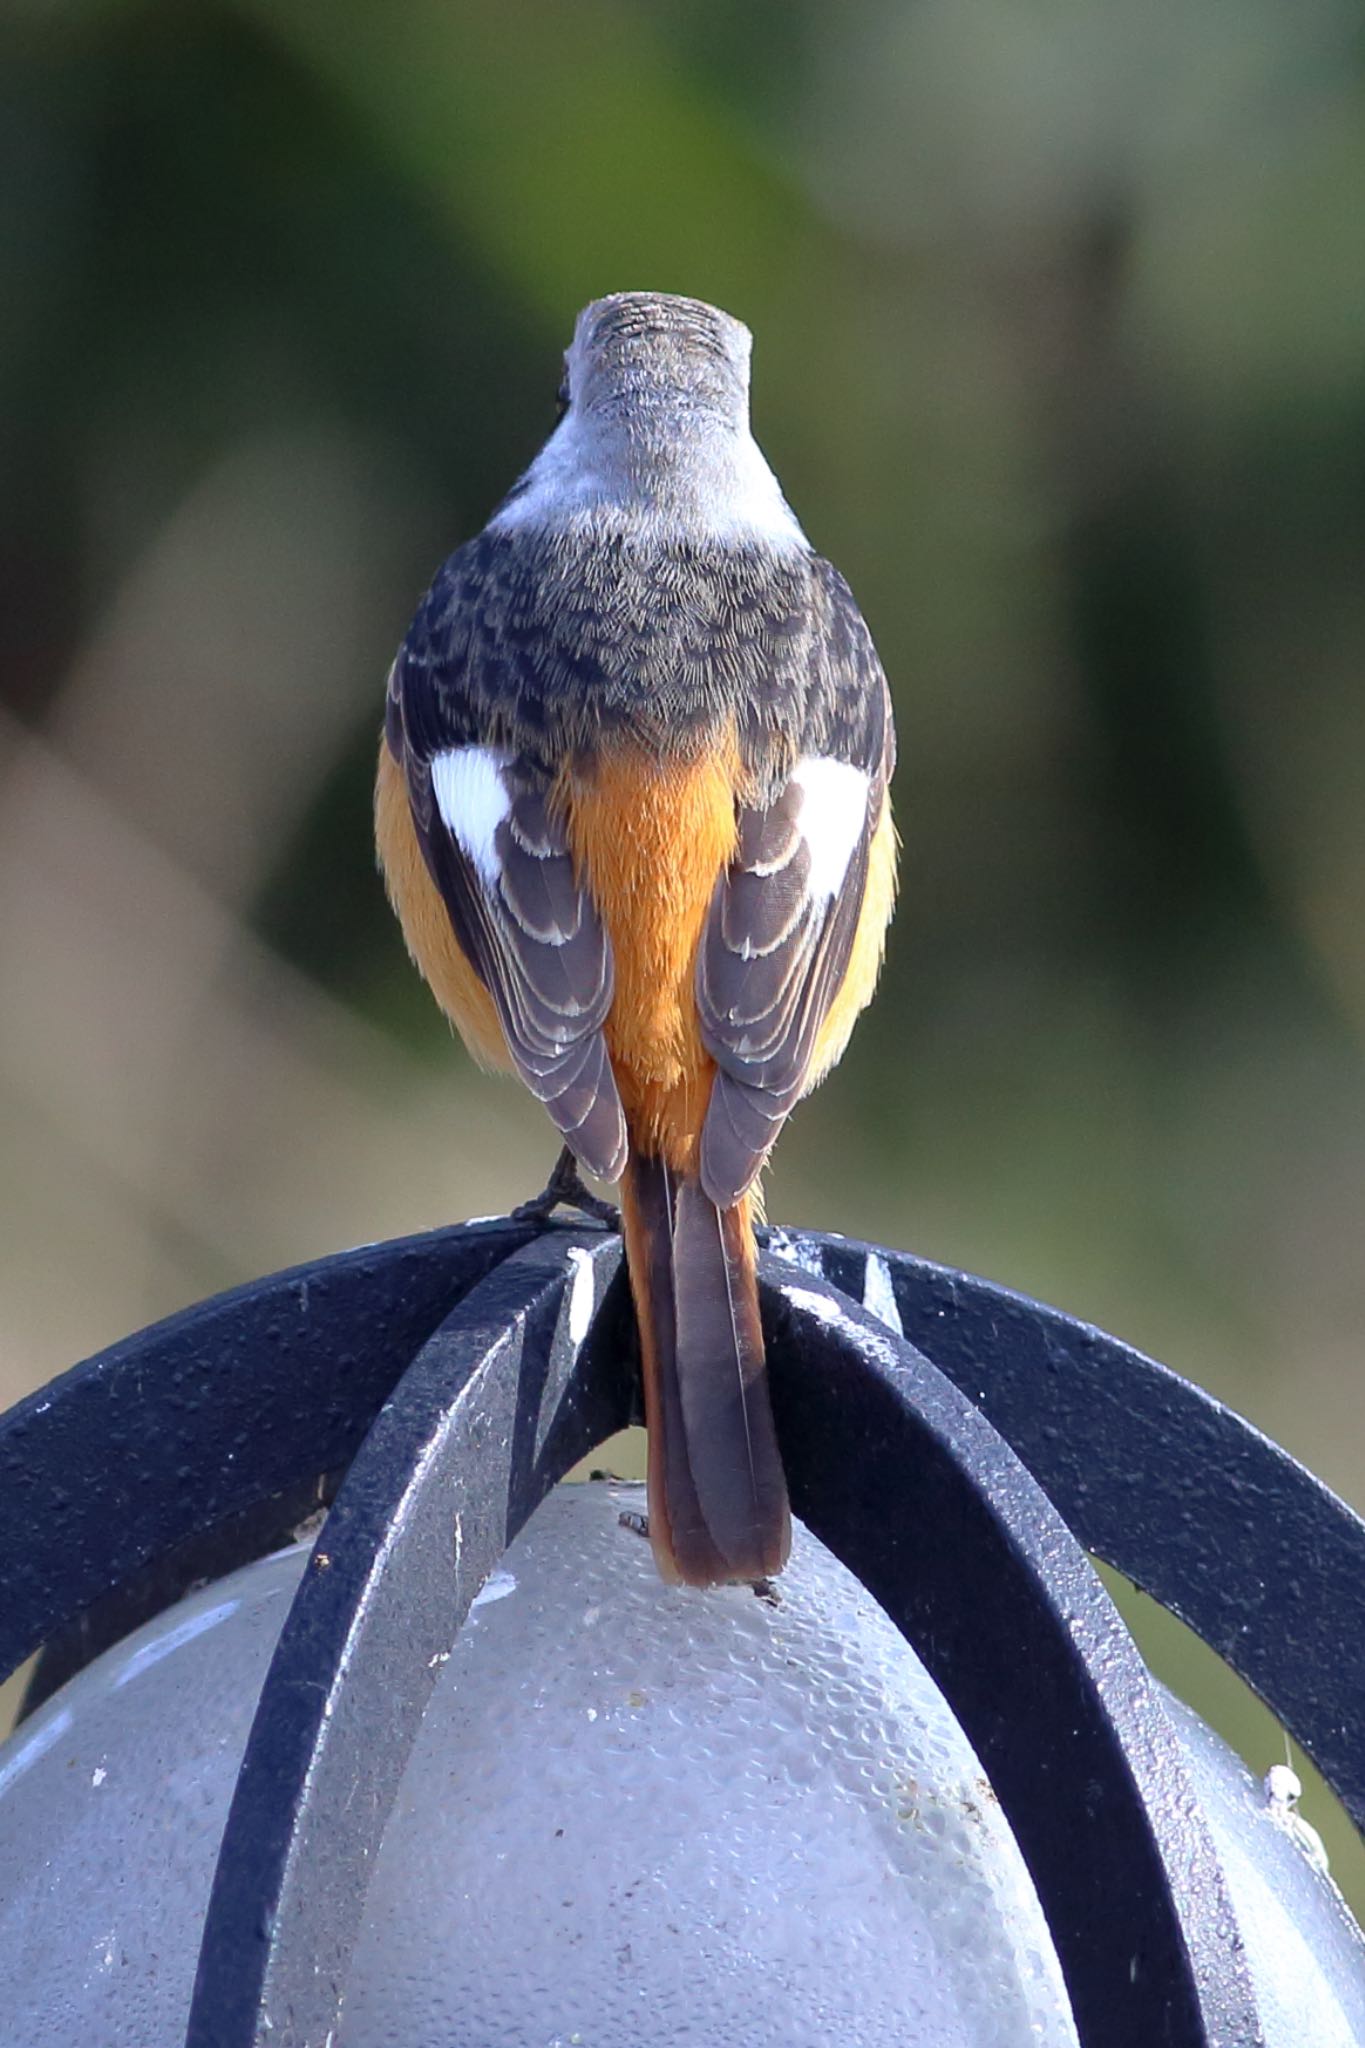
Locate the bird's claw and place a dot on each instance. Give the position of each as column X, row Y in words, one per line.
column 565, row 1189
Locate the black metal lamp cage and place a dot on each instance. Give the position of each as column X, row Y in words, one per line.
column 960, row 1451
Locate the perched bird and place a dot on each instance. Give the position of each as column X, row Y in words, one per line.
column 632, row 813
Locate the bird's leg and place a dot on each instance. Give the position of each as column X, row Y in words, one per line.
column 566, row 1187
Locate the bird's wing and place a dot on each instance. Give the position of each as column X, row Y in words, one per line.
column 782, row 923
column 500, row 859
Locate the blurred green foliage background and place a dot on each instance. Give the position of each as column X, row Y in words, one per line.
column 1058, row 315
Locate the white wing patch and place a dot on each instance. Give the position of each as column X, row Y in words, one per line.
column 473, row 801
column 833, row 814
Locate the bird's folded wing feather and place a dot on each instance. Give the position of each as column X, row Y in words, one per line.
column 501, row 861
column 785, row 915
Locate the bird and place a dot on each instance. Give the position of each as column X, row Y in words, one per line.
column 633, row 814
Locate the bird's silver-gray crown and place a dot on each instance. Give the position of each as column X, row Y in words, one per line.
column 652, row 352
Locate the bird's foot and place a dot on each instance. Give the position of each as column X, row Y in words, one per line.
column 565, row 1189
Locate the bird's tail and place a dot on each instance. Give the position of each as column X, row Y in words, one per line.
column 717, row 1495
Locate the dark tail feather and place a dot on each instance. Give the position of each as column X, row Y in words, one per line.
column 717, row 1497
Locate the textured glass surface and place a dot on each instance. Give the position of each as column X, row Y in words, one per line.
column 1306, row 1953
column 644, row 1815
column 633, row 1815
column 112, row 1803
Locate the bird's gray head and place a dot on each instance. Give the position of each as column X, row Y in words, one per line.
column 659, row 362
column 653, row 438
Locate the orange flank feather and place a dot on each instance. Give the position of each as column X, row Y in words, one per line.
column 869, row 945
column 430, row 935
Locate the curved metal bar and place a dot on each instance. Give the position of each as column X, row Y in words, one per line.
column 1174, row 1490
column 191, row 1428
column 1000, row 1603
column 186, row 1424
column 908, row 1484
column 498, row 1404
